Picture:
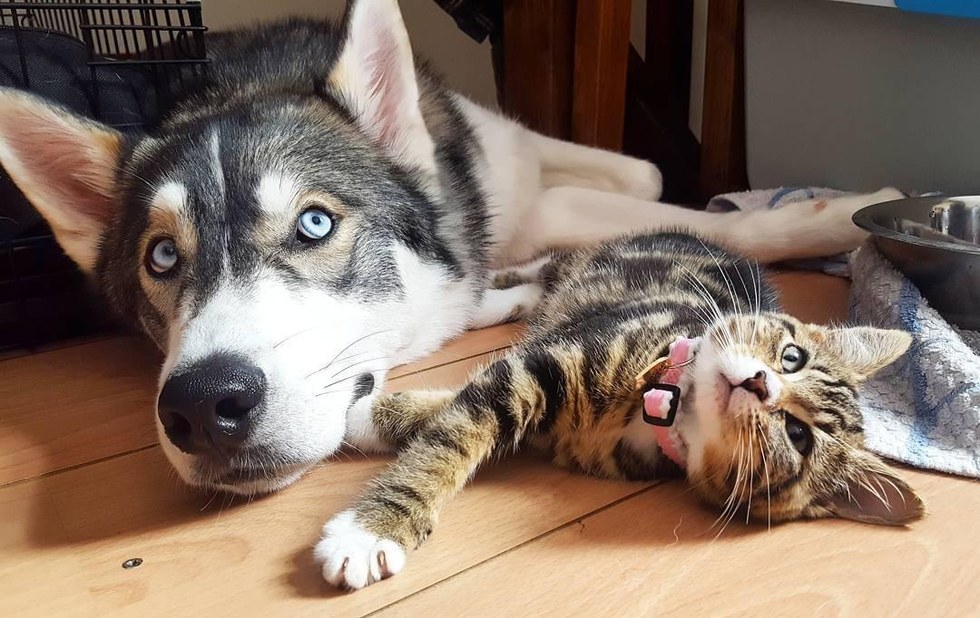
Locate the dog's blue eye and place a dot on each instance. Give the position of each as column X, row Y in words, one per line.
column 163, row 256
column 314, row 224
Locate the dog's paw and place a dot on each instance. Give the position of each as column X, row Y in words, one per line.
column 843, row 208
column 644, row 181
column 352, row 557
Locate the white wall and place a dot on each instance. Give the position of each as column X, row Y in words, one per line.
column 464, row 63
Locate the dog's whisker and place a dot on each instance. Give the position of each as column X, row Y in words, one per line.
column 347, row 347
column 353, row 376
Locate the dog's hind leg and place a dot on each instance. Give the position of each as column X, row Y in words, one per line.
column 570, row 217
column 567, row 164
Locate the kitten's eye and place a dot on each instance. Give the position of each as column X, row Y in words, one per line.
column 799, row 434
column 793, row 358
column 314, row 224
column 163, row 256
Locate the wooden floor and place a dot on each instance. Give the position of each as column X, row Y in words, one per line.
column 83, row 488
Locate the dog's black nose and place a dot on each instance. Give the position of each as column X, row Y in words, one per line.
column 211, row 405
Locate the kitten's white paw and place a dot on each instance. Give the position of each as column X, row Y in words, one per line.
column 352, row 557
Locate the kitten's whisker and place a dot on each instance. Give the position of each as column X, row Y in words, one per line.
column 758, row 290
column 731, row 507
column 712, row 304
column 748, row 297
column 732, row 503
column 900, row 493
column 764, row 440
column 729, row 285
column 208, row 503
column 751, row 475
column 880, row 493
column 350, row 445
column 347, row 357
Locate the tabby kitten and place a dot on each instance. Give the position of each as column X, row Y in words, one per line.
column 768, row 421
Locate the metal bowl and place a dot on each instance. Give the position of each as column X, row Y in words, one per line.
column 935, row 242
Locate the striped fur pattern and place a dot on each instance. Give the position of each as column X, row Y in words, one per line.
column 789, row 449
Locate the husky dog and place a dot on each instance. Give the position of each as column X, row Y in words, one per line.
column 318, row 210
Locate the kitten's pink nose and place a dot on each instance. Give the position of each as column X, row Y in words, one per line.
column 756, row 385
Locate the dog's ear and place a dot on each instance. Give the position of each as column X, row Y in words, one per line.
column 375, row 76
column 65, row 165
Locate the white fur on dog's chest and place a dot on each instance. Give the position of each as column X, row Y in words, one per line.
column 434, row 308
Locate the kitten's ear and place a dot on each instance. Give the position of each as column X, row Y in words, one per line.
column 65, row 166
column 375, row 75
column 866, row 350
column 874, row 494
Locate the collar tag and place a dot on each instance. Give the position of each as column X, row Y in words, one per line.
column 674, row 393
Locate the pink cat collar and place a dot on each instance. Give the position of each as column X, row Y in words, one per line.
column 662, row 402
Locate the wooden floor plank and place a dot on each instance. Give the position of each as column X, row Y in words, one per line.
column 655, row 554
column 525, row 538
column 78, row 404
column 813, row 297
column 233, row 559
column 66, row 535
column 73, row 405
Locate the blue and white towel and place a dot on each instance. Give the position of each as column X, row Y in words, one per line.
column 924, row 410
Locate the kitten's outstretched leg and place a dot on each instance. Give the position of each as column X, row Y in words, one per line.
column 369, row 541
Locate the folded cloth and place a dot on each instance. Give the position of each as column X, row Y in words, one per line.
column 924, row 410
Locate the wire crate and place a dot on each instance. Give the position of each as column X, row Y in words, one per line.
column 117, row 61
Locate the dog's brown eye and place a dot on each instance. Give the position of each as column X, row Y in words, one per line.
column 799, row 434
column 794, row 358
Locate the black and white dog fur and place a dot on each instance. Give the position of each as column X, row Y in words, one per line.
column 319, row 210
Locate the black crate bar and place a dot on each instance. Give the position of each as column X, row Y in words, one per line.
column 40, row 291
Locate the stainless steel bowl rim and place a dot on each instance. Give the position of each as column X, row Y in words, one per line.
column 864, row 219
